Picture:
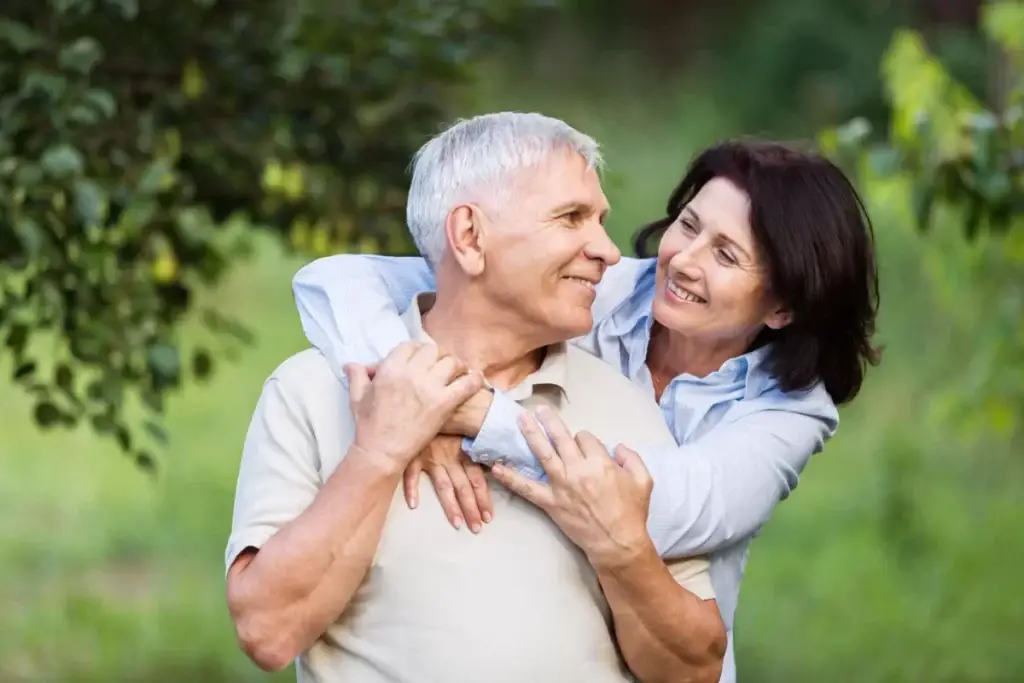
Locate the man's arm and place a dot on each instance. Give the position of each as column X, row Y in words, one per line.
column 667, row 634
column 298, row 551
column 299, row 554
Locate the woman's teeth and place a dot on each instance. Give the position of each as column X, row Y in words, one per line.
column 684, row 295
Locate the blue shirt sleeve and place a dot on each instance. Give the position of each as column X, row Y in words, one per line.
column 350, row 304
column 707, row 494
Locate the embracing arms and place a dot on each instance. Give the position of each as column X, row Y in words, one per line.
column 301, row 544
column 707, row 495
column 666, row 620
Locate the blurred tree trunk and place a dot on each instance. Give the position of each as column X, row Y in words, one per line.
column 959, row 12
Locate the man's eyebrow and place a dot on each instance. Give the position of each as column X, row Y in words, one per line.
column 568, row 207
column 578, row 205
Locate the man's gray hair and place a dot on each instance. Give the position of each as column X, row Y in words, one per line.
column 482, row 151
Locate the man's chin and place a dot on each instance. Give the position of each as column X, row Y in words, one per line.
column 575, row 323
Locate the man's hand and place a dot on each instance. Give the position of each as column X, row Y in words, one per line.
column 468, row 418
column 460, row 483
column 601, row 504
column 414, row 391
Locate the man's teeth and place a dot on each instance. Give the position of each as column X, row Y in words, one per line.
column 684, row 295
column 586, row 283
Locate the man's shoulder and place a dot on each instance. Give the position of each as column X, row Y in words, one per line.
column 605, row 402
column 590, row 373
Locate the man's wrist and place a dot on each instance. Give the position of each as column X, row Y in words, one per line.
column 375, row 461
column 622, row 557
column 468, row 419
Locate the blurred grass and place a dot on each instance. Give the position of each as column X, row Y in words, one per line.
column 896, row 560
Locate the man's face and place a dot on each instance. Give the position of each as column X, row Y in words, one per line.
column 548, row 249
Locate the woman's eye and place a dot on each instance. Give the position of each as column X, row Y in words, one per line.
column 688, row 227
column 725, row 257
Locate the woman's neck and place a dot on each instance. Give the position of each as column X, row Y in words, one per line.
column 671, row 354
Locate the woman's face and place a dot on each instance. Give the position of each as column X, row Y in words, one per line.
column 711, row 281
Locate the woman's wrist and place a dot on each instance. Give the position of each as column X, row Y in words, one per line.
column 469, row 417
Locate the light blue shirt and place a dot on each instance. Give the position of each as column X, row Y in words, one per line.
column 742, row 442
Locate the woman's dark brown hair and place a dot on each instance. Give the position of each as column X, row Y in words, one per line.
column 816, row 239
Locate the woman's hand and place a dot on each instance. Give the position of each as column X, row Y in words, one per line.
column 460, row 483
column 600, row 503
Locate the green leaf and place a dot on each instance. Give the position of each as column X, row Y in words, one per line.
column 24, row 371
column 1004, row 23
column 30, row 235
column 21, row 38
column 155, row 178
column 82, row 55
column 923, row 201
column 157, row 431
column 103, row 424
column 62, row 160
column 165, row 361
column 202, row 364
column 90, row 201
column 17, row 338
column 101, row 100
column 49, row 85
column 124, row 437
column 145, row 462
column 64, row 377
column 46, row 414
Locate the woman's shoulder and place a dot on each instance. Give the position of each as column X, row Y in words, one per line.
column 811, row 402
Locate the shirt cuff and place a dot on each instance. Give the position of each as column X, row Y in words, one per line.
column 500, row 440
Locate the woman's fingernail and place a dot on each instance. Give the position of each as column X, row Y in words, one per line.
column 457, row 522
column 412, row 502
column 487, row 518
column 475, row 528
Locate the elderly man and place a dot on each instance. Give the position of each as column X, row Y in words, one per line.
column 325, row 561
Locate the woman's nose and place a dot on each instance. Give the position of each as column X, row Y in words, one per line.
column 687, row 261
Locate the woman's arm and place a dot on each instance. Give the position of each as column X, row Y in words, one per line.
column 709, row 493
column 350, row 304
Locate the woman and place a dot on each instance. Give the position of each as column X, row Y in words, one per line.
column 749, row 324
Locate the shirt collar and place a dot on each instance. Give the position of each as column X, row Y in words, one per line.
column 553, row 370
column 634, row 320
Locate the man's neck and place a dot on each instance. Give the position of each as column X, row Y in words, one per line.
column 479, row 335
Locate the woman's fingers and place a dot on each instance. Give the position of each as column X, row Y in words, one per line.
column 411, row 483
column 482, row 490
column 446, row 493
column 465, row 494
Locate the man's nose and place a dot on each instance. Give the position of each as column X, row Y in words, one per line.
column 601, row 247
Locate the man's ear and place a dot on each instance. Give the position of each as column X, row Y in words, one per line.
column 465, row 230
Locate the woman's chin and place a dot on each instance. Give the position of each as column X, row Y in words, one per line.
column 678, row 316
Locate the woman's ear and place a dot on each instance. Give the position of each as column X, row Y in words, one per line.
column 465, row 230
column 778, row 318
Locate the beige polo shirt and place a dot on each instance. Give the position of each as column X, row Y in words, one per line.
column 517, row 603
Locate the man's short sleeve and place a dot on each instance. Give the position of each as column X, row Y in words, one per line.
column 692, row 573
column 279, row 474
